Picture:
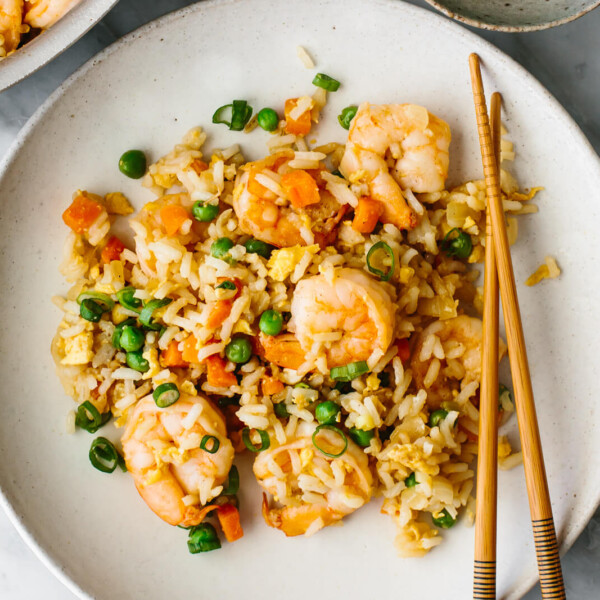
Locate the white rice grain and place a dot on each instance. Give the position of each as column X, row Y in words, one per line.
column 305, row 57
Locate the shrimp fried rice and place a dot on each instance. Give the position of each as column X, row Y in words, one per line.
column 315, row 309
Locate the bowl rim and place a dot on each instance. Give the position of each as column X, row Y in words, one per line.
column 511, row 28
column 52, row 42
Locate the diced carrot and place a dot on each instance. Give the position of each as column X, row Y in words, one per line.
column 255, row 188
column 299, row 126
column 173, row 216
column 219, row 312
column 366, row 214
column 112, row 250
column 301, row 188
column 82, row 213
column 190, row 350
column 171, row 356
column 229, row 518
column 403, row 349
column 283, row 350
column 216, row 375
column 199, row 165
column 271, row 385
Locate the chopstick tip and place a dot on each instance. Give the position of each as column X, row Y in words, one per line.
column 474, row 59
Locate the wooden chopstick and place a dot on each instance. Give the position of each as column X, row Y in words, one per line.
column 551, row 580
column 484, row 566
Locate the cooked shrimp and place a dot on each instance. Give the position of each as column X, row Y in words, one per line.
column 11, row 25
column 447, row 356
column 314, row 490
column 44, row 13
column 355, row 313
column 409, row 139
column 162, row 452
column 268, row 216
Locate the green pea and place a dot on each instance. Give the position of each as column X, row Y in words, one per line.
column 281, row 410
column 411, row 480
column 131, row 339
column 259, row 247
column 220, row 248
column 136, row 361
column 445, row 520
column 239, row 350
column 133, row 164
column 267, row 119
column 327, row 412
column 90, row 310
column 204, row 212
column 271, row 322
column 361, row 436
column 437, row 416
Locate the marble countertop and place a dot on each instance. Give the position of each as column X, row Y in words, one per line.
column 566, row 60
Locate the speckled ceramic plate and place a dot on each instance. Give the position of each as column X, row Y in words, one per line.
column 515, row 15
column 93, row 530
column 52, row 42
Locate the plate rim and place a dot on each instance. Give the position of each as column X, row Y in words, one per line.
column 577, row 524
column 53, row 42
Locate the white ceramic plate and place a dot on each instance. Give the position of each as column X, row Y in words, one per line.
column 52, row 42
column 92, row 529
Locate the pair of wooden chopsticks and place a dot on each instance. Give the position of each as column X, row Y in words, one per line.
column 498, row 269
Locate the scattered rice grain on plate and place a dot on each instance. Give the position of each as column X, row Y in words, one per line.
column 305, row 57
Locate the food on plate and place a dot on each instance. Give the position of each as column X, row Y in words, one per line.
column 22, row 20
column 314, row 310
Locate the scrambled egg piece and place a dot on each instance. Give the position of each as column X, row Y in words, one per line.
column 188, row 388
column 117, row 204
column 373, row 382
column 412, row 457
column 365, row 421
column 549, row 270
column 283, row 261
column 242, row 326
column 306, row 456
column 406, row 274
column 504, row 448
column 152, row 357
column 78, row 349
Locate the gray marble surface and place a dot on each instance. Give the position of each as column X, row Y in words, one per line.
column 566, row 60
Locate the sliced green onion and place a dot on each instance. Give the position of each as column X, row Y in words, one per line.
column 281, row 410
column 336, row 430
column 214, row 444
column 148, row 310
column 89, row 418
column 203, row 538
column 121, row 463
column 349, row 372
column 265, row 441
column 371, row 255
column 103, row 455
column 445, row 520
column 218, row 117
column 90, row 310
column 505, row 398
column 343, row 387
column 225, row 401
column 116, row 337
column 227, row 285
column 303, row 386
column 240, row 115
column 437, row 416
column 165, row 395
column 337, row 173
column 233, row 482
column 460, row 245
column 411, row 480
column 127, row 299
column 103, row 300
column 346, row 116
column 327, row 83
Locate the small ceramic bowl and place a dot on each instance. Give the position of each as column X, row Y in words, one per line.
column 515, row 15
column 52, row 42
